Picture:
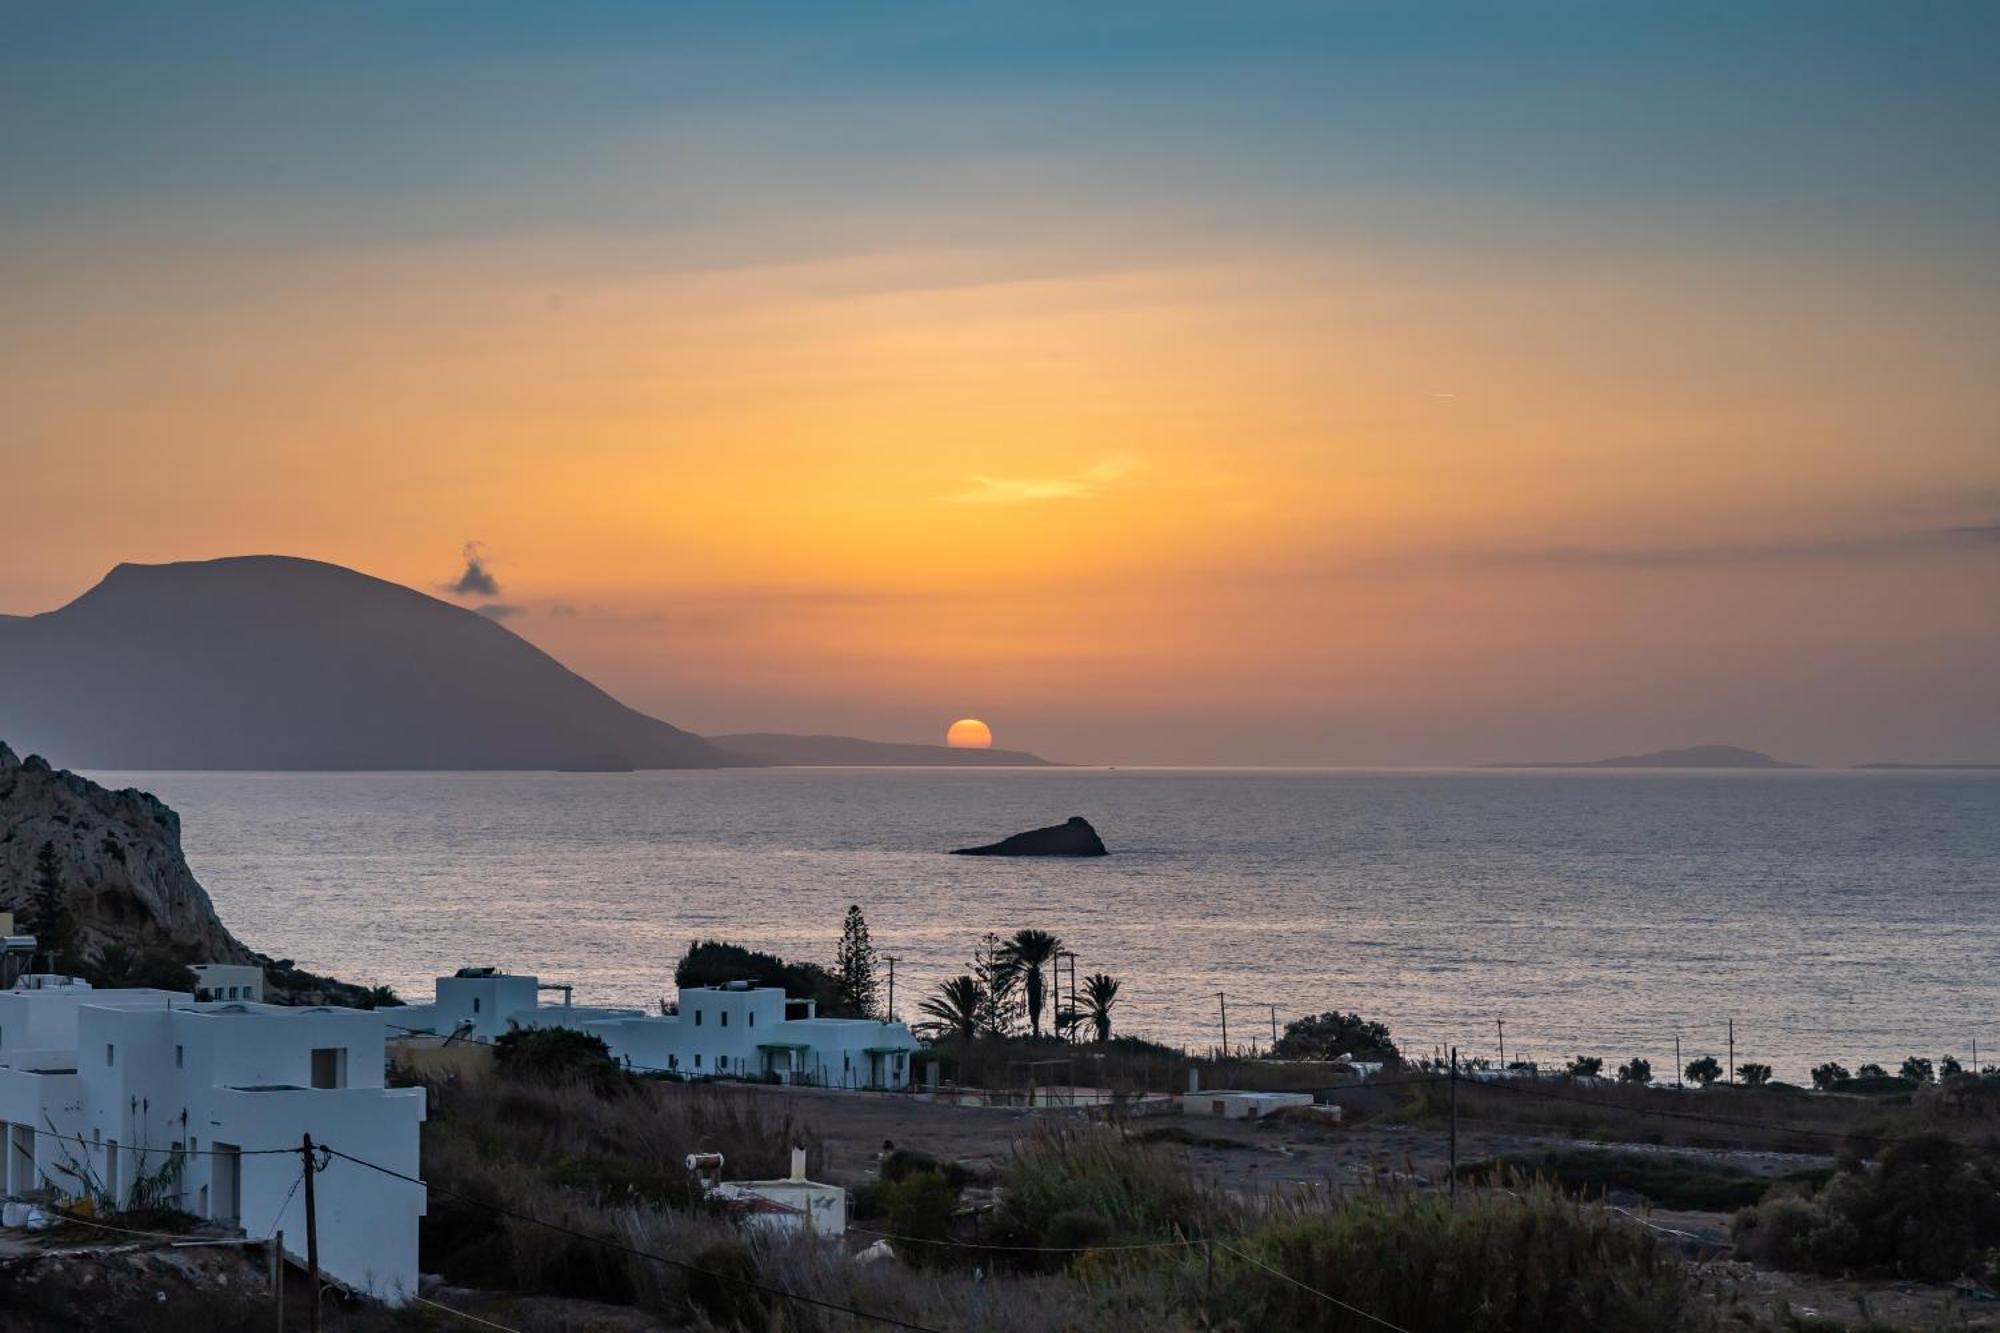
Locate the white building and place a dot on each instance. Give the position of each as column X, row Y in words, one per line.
column 1241, row 1105
column 228, row 981
column 120, row 1092
column 738, row 1030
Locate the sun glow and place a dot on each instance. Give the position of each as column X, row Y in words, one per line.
column 969, row 733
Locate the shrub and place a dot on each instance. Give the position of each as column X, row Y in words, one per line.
column 1754, row 1076
column 1916, row 1068
column 1827, row 1075
column 1929, row 1208
column 1871, row 1070
column 1636, row 1070
column 1331, row 1034
column 1668, row 1180
column 558, row 1056
column 1704, row 1071
column 1586, row 1066
column 1493, row 1262
column 919, row 1207
column 1139, row 1192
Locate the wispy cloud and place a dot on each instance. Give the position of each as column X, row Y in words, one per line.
column 1924, row 541
column 1085, row 485
column 498, row 610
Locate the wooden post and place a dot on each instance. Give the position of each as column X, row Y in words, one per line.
column 1274, row 1031
column 278, row 1276
column 312, row 1238
column 1223, row 1000
column 1732, row 1050
column 1500, row 1025
column 1677, row 1059
column 1453, row 1187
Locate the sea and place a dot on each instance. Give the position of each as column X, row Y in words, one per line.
column 1828, row 915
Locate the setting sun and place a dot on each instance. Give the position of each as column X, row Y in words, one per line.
column 969, row 733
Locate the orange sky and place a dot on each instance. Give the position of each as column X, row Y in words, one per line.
column 1131, row 474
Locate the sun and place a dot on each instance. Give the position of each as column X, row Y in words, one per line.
column 969, row 733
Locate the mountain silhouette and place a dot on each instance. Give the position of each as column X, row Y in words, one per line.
column 272, row 662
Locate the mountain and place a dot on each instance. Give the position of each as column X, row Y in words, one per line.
column 1697, row 756
column 767, row 747
column 271, row 662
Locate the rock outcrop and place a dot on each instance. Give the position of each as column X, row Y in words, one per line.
column 119, row 856
column 1073, row 837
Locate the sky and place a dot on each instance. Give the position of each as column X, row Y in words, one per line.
column 1259, row 384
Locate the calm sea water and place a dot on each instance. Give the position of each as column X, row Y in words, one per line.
column 1832, row 915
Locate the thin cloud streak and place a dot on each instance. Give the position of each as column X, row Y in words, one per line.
column 1929, row 541
column 1085, row 485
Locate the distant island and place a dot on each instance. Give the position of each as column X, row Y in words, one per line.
column 777, row 749
column 1695, row 756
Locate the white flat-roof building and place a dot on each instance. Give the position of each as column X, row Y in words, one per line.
column 228, row 981
column 1229, row 1105
column 121, row 1094
column 737, row 1030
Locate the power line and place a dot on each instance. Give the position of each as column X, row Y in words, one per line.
column 781, row 1292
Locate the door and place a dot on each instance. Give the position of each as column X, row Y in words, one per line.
column 226, row 1202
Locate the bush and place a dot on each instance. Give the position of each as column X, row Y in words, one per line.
column 1329, row 1035
column 714, row 962
column 1636, row 1070
column 1493, row 1262
column 1586, row 1066
column 1916, row 1068
column 1825, row 1076
column 1139, row 1192
column 1668, row 1180
column 1754, row 1076
column 920, row 1207
column 559, row 1056
column 1929, row 1208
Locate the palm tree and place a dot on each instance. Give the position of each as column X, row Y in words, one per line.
column 1099, row 994
column 956, row 1007
column 1026, row 954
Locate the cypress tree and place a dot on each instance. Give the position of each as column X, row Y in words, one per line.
column 854, row 966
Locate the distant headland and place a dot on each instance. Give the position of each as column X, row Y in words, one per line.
column 1694, row 756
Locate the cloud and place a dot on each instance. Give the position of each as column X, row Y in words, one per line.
column 498, row 610
column 1085, row 485
column 1924, row 541
column 476, row 581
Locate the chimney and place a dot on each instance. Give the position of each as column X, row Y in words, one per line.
column 798, row 1163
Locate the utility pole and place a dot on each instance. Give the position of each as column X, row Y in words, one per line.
column 306, row 1155
column 890, row 959
column 1732, row 1050
column 1501, row 1025
column 1274, row 1033
column 1223, row 1000
column 1453, row 1186
column 1677, row 1057
column 278, row 1276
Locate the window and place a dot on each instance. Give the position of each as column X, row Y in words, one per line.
column 329, row 1067
column 722, row 1062
column 673, row 1062
column 110, row 1054
column 697, row 1018
column 753, row 1018
column 725, row 1018
column 180, row 1057
column 697, row 1059
column 475, row 1004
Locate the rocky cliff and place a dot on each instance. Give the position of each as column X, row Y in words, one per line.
column 119, row 856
